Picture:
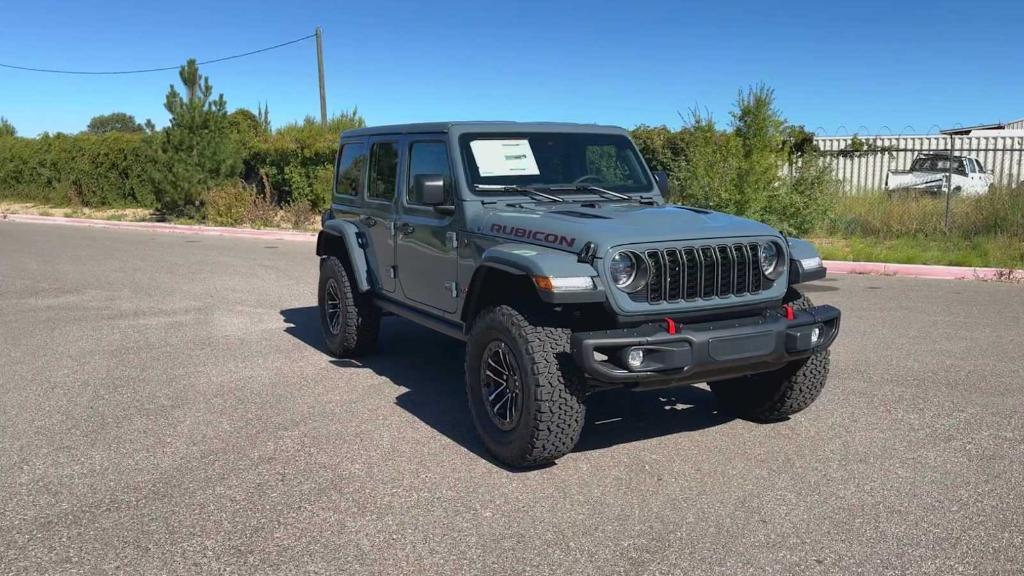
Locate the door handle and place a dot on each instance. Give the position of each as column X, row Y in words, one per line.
column 369, row 221
column 406, row 228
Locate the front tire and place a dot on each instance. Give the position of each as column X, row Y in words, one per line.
column 525, row 393
column 776, row 395
column 350, row 322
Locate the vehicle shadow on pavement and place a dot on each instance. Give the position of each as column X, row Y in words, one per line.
column 430, row 367
column 819, row 286
column 621, row 416
column 427, row 364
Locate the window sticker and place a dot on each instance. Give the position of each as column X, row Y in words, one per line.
column 504, row 158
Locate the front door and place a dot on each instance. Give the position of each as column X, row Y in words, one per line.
column 379, row 210
column 427, row 241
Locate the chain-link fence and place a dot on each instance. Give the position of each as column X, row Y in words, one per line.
column 865, row 164
column 924, row 185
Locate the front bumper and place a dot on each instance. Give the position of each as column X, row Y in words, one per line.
column 707, row 351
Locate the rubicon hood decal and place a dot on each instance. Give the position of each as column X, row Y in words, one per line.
column 532, row 235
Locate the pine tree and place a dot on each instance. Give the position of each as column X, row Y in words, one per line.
column 7, row 129
column 197, row 150
column 263, row 115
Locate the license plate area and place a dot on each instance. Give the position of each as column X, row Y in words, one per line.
column 743, row 346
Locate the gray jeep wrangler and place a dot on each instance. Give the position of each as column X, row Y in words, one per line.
column 549, row 249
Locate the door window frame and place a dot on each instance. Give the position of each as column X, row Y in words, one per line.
column 350, row 199
column 396, row 142
column 410, row 142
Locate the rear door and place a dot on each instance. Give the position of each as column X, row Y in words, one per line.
column 426, row 237
column 379, row 209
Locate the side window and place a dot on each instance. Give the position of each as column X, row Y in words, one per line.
column 351, row 162
column 960, row 168
column 428, row 158
column 979, row 165
column 383, row 171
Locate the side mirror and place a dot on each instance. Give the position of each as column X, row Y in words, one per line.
column 429, row 189
column 661, row 179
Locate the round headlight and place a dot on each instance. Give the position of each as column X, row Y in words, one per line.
column 623, row 268
column 770, row 262
column 628, row 271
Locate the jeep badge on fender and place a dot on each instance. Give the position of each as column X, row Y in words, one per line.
column 550, row 250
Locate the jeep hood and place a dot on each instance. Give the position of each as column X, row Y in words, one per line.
column 570, row 225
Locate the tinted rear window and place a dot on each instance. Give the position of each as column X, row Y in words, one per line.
column 350, row 169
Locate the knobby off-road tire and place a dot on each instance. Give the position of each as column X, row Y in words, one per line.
column 349, row 320
column 551, row 410
column 772, row 396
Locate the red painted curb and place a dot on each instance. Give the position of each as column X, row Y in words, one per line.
column 923, row 271
column 835, row 266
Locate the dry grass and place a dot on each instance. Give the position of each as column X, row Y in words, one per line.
column 122, row 214
column 998, row 213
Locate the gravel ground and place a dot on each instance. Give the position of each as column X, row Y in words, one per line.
column 165, row 408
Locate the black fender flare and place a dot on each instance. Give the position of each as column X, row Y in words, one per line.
column 805, row 264
column 345, row 241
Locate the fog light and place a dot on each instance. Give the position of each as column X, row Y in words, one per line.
column 815, row 334
column 635, row 358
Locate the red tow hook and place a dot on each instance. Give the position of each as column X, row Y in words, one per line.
column 670, row 325
column 789, row 311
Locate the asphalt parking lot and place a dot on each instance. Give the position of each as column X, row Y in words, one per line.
column 165, row 408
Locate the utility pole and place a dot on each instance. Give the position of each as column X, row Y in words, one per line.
column 320, row 68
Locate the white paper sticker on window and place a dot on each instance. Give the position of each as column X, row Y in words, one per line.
column 504, row 158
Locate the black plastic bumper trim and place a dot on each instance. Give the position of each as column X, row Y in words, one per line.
column 711, row 350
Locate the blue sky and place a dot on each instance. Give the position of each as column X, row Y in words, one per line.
column 835, row 66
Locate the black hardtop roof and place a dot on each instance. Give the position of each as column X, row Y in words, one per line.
column 479, row 126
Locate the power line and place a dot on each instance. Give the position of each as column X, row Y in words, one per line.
column 163, row 69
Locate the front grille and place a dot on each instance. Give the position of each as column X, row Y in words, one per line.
column 702, row 272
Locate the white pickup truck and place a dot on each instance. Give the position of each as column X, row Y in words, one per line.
column 931, row 173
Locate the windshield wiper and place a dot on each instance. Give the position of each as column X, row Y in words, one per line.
column 591, row 188
column 524, row 190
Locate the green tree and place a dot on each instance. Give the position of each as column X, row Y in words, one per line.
column 759, row 127
column 113, row 122
column 761, row 168
column 711, row 168
column 197, row 148
column 6, row 128
column 263, row 115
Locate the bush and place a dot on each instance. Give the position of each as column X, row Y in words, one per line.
column 260, row 213
column 762, row 168
column 228, row 204
column 299, row 215
column 297, row 161
column 109, row 170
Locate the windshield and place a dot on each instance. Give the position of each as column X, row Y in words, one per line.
column 937, row 164
column 553, row 159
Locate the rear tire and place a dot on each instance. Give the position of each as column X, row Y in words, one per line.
column 776, row 395
column 350, row 321
column 542, row 421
